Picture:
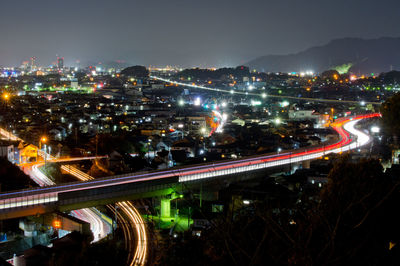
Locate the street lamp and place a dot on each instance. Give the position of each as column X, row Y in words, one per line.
column 43, row 140
column 148, row 150
column 6, row 96
column 203, row 130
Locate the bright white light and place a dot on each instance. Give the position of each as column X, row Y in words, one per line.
column 197, row 101
column 224, row 116
column 181, row 102
column 250, row 87
column 203, row 130
column 277, row 121
column 232, row 91
column 284, row 103
column 279, row 150
column 246, row 202
column 223, row 104
column 362, row 103
column 375, row 129
column 264, row 95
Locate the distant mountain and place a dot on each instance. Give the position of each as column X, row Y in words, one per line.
column 360, row 55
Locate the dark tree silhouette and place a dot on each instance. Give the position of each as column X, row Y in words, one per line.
column 136, row 71
column 390, row 111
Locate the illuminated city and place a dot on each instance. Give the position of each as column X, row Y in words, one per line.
column 207, row 133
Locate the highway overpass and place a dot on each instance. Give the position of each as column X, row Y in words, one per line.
column 75, row 195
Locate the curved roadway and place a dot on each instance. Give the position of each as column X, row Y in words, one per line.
column 351, row 138
column 258, row 94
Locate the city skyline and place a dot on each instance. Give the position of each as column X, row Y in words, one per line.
column 185, row 34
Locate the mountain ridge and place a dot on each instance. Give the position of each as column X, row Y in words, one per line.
column 365, row 56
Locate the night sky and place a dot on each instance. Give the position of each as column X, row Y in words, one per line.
column 183, row 32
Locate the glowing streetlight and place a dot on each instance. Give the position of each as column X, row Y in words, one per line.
column 42, row 140
column 57, row 224
column 264, row 95
column 6, row 96
column 375, row 129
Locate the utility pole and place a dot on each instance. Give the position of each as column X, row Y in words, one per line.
column 97, row 143
column 201, row 194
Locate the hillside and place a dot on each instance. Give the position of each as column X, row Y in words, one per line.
column 364, row 56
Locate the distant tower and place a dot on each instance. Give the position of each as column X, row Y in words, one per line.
column 60, row 62
column 33, row 62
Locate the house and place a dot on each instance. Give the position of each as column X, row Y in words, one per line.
column 27, row 152
column 7, row 151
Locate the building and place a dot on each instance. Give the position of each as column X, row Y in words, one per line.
column 7, row 151
column 60, row 63
column 33, row 62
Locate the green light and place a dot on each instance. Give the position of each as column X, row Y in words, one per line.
column 343, row 69
column 280, row 91
column 165, row 207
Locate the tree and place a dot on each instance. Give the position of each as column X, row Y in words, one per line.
column 12, row 178
column 390, row 111
column 355, row 220
column 136, row 71
column 351, row 221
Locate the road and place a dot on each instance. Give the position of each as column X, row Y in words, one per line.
column 261, row 95
column 99, row 227
column 351, row 138
column 131, row 222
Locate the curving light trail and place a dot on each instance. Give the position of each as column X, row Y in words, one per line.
column 198, row 171
column 259, row 94
column 345, row 128
column 131, row 223
column 98, row 226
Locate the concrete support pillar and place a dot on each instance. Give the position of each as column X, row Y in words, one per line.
column 165, row 207
column 306, row 164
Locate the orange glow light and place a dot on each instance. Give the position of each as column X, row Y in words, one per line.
column 57, row 224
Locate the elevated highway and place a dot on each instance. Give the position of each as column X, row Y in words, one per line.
column 116, row 188
column 237, row 92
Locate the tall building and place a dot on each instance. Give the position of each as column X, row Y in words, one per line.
column 60, row 62
column 33, row 62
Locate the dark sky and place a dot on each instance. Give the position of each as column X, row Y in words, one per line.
column 183, row 32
